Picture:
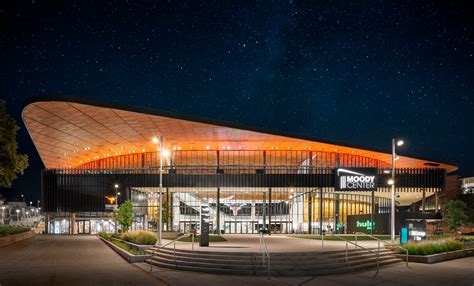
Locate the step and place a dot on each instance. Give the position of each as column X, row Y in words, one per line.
column 258, row 259
column 294, row 258
column 246, row 255
column 261, row 271
column 251, row 265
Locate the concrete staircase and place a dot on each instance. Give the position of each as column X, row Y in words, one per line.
column 282, row 264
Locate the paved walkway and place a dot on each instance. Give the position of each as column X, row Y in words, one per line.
column 456, row 272
column 275, row 243
column 67, row 260
column 85, row 260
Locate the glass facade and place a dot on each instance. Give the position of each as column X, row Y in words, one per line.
column 286, row 191
column 245, row 210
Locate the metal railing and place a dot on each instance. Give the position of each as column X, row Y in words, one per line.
column 158, row 247
column 265, row 254
column 386, row 242
column 360, row 246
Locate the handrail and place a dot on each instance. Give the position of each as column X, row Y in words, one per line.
column 163, row 246
column 265, row 253
column 348, row 241
column 390, row 243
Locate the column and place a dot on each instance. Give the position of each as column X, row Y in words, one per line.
column 218, row 211
column 269, row 210
column 252, row 215
column 310, row 212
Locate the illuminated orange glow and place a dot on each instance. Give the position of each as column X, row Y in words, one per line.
column 70, row 134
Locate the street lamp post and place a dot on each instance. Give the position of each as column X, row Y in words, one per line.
column 116, row 186
column 160, row 219
column 392, row 183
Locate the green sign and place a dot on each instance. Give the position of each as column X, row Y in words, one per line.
column 365, row 224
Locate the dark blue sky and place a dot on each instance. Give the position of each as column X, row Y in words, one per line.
column 354, row 71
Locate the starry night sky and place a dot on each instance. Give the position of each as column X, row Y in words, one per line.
column 353, row 71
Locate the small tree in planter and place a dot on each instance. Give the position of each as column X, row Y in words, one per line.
column 124, row 215
column 165, row 215
column 454, row 214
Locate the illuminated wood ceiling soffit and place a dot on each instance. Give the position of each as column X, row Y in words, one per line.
column 66, row 133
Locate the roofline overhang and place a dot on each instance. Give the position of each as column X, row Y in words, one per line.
column 221, row 123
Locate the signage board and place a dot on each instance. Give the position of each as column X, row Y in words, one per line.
column 404, row 235
column 204, row 241
column 361, row 223
column 365, row 225
column 111, row 207
column 355, row 179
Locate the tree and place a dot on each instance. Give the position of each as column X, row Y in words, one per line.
column 165, row 215
column 124, row 215
column 454, row 214
column 11, row 163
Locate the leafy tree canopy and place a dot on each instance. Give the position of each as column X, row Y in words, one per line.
column 454, row 214
column 124, row 215
column 11, row 163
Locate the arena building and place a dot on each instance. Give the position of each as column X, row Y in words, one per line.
column 97, row 154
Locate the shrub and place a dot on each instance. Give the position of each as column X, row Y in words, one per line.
column 140, row 237
column 12, row 229
column 104, row 235
column 116, row 235
column 432, row 247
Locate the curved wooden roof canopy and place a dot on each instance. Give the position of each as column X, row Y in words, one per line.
column 68, row 130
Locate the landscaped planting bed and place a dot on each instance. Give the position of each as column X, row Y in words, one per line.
column 432, row 247
column 12, row 229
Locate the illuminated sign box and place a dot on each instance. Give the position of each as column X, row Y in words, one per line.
column 355, row 179
column 361, row 223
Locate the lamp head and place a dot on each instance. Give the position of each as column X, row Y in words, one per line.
column 400, row 142
column 155, row 140
column 390, row 182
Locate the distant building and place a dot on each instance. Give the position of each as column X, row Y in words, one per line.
column 467, row 185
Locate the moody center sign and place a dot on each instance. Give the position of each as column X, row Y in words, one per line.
column 355, row 179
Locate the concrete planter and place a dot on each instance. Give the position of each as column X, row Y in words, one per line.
column 9, row 239
column 126, row 255
column 440, row 257
column 136, row 247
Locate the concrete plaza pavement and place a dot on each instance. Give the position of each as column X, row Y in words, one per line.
column 275, row 243
column 67, row 260
column 455, row 272
column 85, row 260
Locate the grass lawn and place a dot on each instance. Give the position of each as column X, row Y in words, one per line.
column 346, row 237
column 212, row 238
column 12, row 229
